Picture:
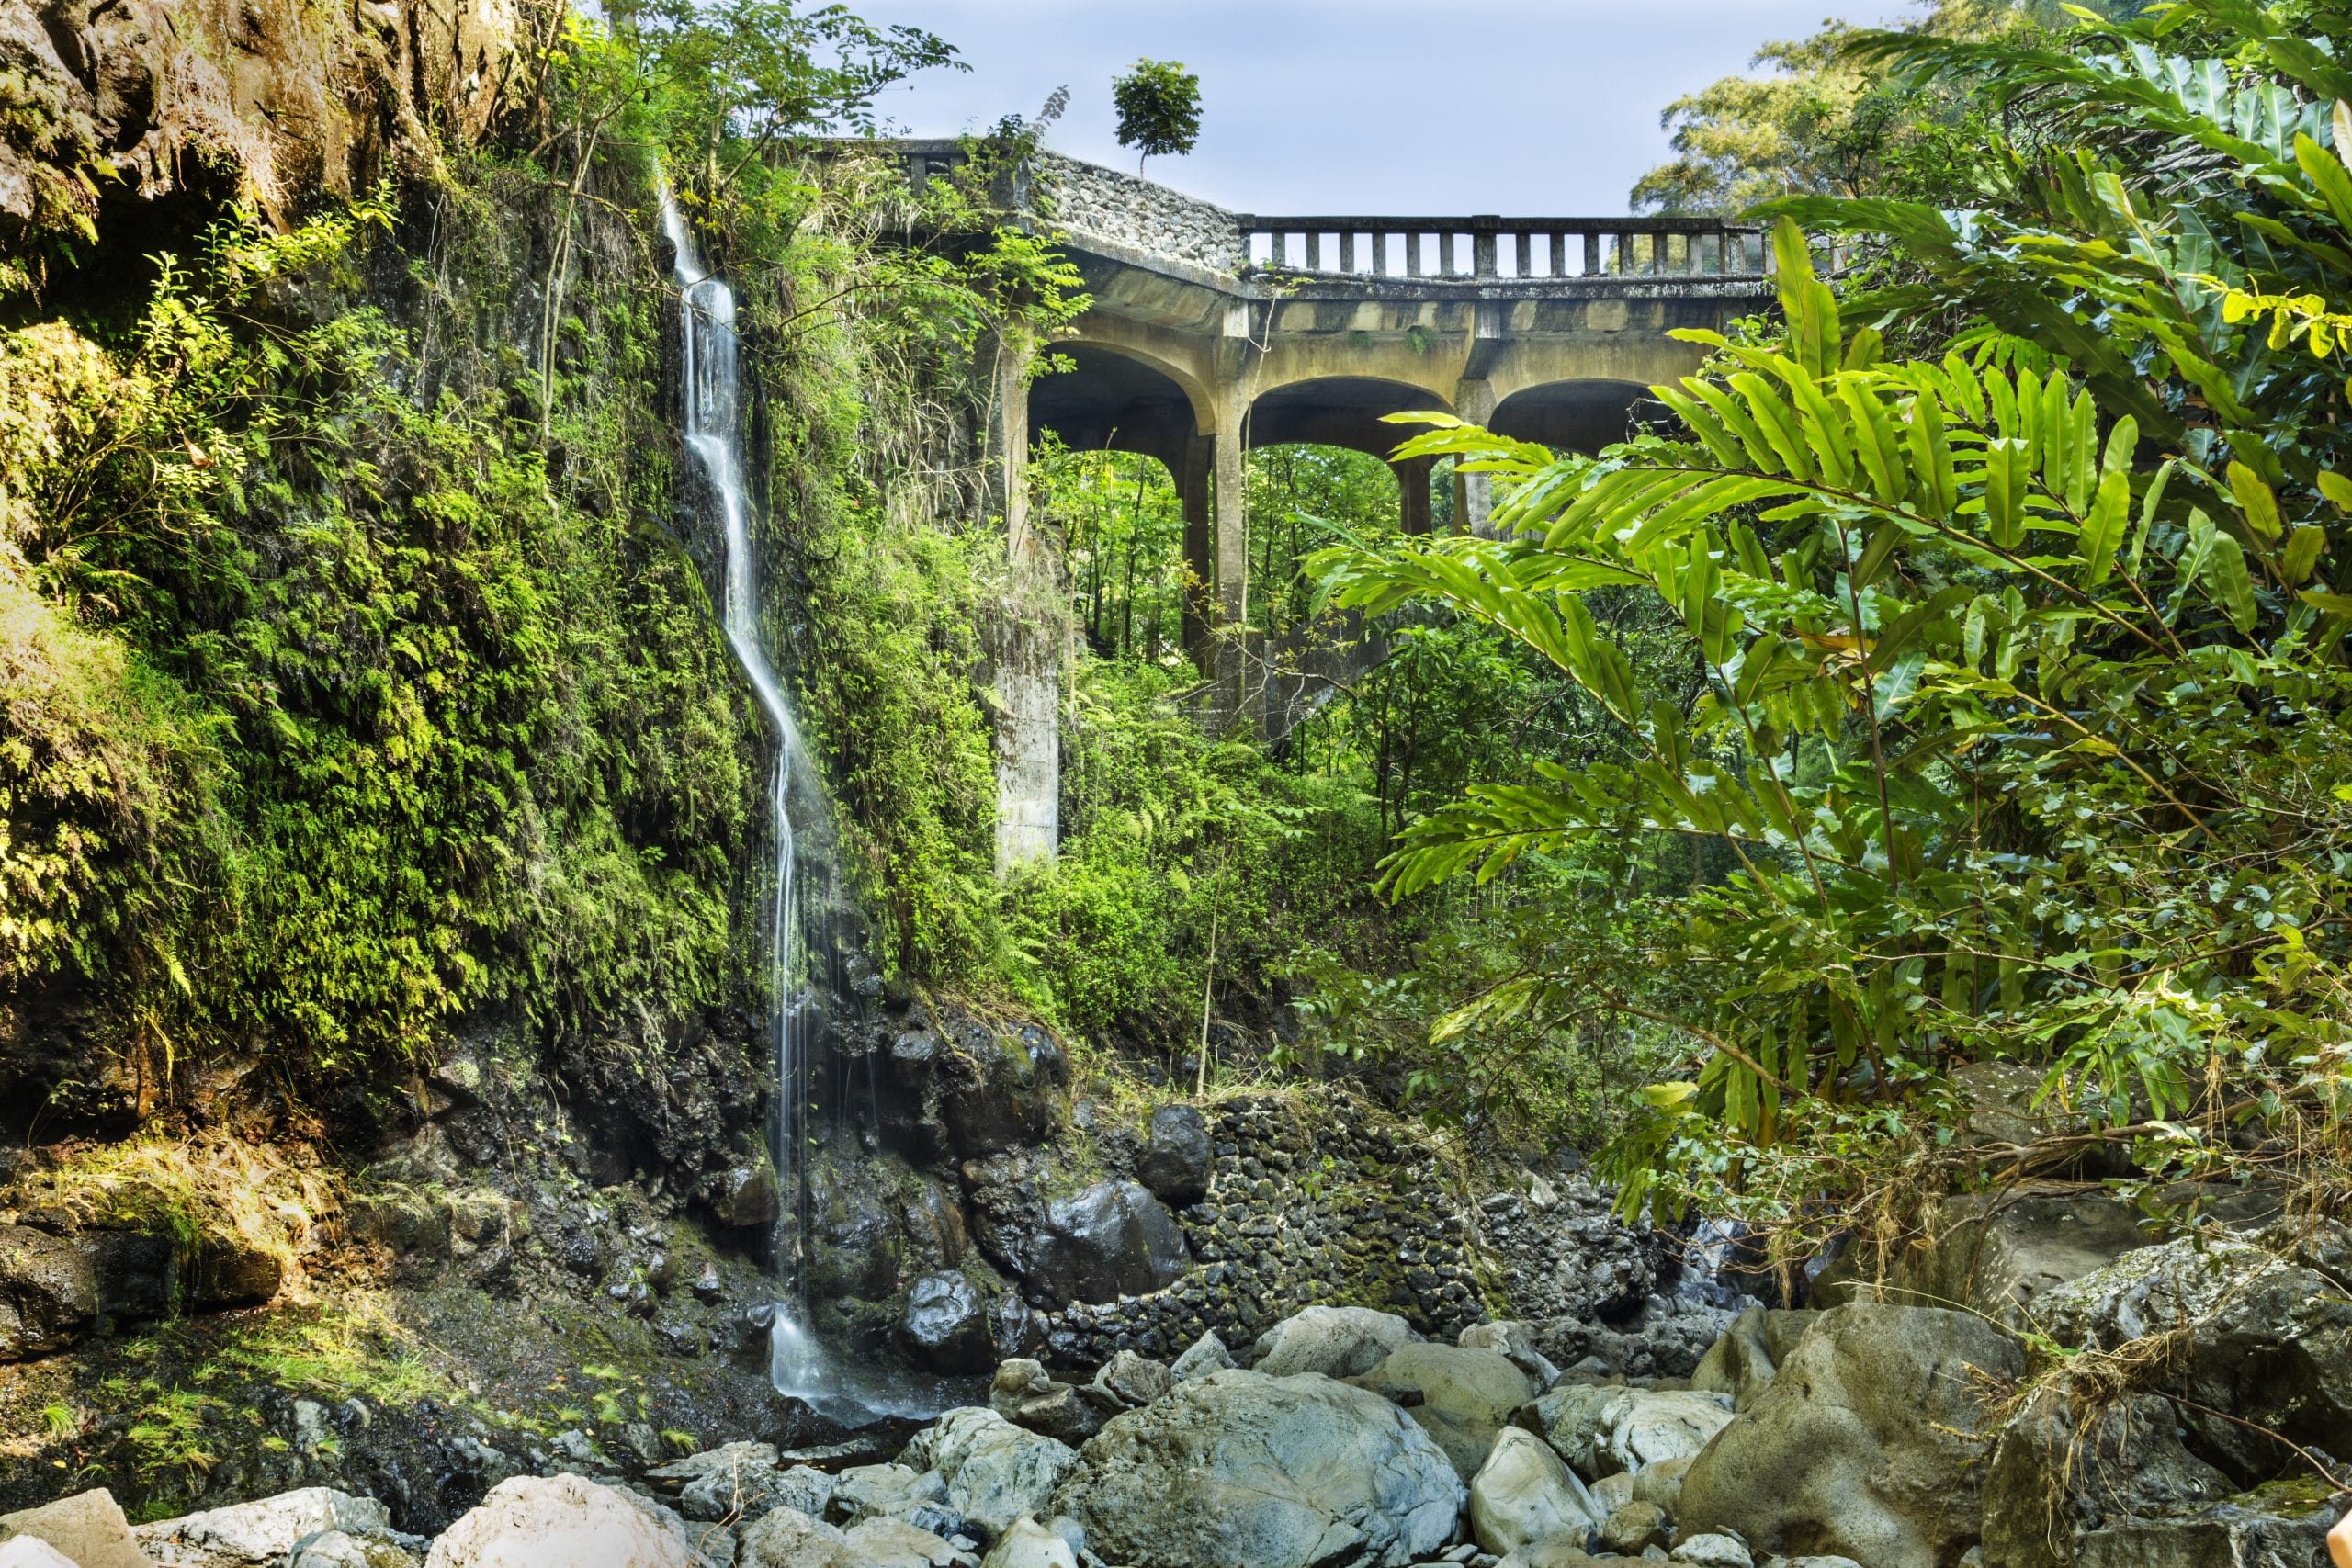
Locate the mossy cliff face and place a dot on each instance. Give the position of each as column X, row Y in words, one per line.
column 357, row 693
column 304, row 100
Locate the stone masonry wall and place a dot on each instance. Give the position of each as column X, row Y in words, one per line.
column 1332, row 1203
column 1140, row 213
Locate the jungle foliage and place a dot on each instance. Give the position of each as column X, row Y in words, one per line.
column 2024, row 657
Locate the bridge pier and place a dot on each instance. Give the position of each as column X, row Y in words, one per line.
column 1413, row 493
column 1195, row 494
column 1023, row 642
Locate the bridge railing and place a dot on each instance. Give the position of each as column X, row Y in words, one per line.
column 1486, row 249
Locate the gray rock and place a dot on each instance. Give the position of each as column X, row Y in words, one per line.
column 1523, row 1496
column 2271, row 1341
column 946, row 1324
column 1655, row 1424
column 1129, row 1379
column 1510, row 1341
column 1712, row 1551
column 994, row 1471
column 1465, row 1396
column 1175, row 1160
column 49, row 1293
column 1113, row 1239
column 267, row 1529
column 561, row 1522
column 1863, row 1445
column 1741, row 1363
column 1025, row 1394
column 894, row 1491
column 1207, row 1355
column 1661, row 1483
column 1339, row 1342
column 1002, row 1089
column 724, row 1494
column 733, row 1458
column 1630, row 1529
column 786, row 1538
column 31, row 1552
column 1028, row 1544
column 86, row 1528
column 1602, row 1429
column 2054, row 1479
column 2223, row 1536
column 746, row 1196
column 1611, row 1492
column 1238, row 1467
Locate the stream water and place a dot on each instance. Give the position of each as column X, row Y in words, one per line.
column 712, row 427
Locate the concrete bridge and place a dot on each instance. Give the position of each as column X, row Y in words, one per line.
column 1213, row 332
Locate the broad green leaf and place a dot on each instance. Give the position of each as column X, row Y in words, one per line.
column 2303, row 547
column 2103, row 530
column 2226, row 577
column 2008, row 471
column 2256, row 501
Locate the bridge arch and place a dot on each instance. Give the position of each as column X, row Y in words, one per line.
column 1351, row 412
column 1581, row 415
column 1113, row 397
column 1339, row 410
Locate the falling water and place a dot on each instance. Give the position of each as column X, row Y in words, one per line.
column 712, row 433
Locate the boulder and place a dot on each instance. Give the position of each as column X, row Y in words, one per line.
column 1028, row 1544
column 561, row 1522
column 893, row 1543
column 31, row 1552
column 995, row 1473
column 1553, row 1554
column 726, row 1494
column 1744, row 1361
column 946, row 1324
column 1611, row 1492
column 1207, row 1355
column 1510, row 1341
column 1712, row 1551
column 49, row 1293
column 895, row 1491
column 1465, row 1397
column 1866, row 1444
column 1573, row 1418
column 2223, row 1536
column 1523, row 1496
column 2056, row 1478
column 745, row 1195
column 1002, row 1089
column 1113, row 1240
column 1240, row 1467
column 786, row 1538
column 1659, row 1482
column 1602, row 1430
column 1655, row 1424
column 230, row 1272
column 1025, row 1394
column 732, row 1459
column 86, row 1528
column 1175, row 1160
column 1634, row 1527
column 1127, row 1379
column 271, row 1528
column 1339, row 1342
column 789, row 1538
column 2269, row 1340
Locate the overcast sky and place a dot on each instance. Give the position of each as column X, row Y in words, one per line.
column 1532, row 108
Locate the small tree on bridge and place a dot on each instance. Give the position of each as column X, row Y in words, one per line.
column 1160, row 108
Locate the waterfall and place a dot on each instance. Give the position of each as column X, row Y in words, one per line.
column 712, row 430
